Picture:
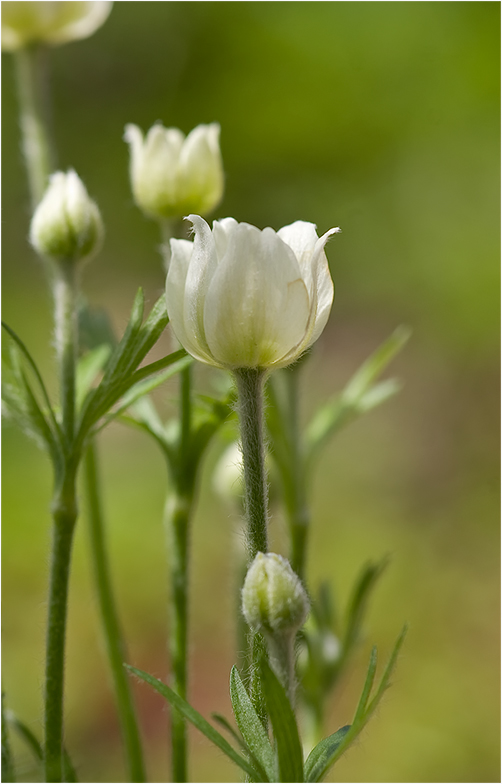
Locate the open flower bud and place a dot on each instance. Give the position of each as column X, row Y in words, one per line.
column 239, row 297
column 53, row 23
column 66, row 226
column 273, row 597
column 172, row 175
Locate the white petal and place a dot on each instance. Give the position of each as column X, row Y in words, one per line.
column 202, row 268
column 201, row 168
column 324, row 286
column 181, row 254
column 301, row 237
column 256, row 306
column 221, row 232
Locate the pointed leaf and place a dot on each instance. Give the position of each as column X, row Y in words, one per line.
column 368, row 684
column 88, row 368
column 251, row 728
column 319, row 759
column 376, row 364
column 198, row 721
column 239, row 740
column 289, row 750
column 384, row 683
column 367, row 580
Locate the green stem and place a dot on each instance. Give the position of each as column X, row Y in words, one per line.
column 297, row 506
column 111, row 626
column 282, row 660
column 64, row 511
column 178, row 514
column 65, row 299
column 250, row 385
column 250, row 382
column 31, row 72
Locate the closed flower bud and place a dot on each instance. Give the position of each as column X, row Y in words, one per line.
column 172, row 175
column 239, row 297
column 274, row 600
column 53, row 23
column 66, row 226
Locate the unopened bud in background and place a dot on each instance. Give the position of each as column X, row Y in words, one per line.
column 67, row 225
column 172, row 176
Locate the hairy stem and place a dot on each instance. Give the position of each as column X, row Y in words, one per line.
column 111, row 626
column 31, row 72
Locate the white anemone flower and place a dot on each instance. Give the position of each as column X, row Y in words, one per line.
column 238, row 297
column 172, row 175
column 53, row 23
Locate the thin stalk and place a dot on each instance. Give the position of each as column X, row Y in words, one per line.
column 250, row 383
column 65, row 300
column 111, row 626
column 64, row 511
column 297, row 506
column 31, row 73
column 282, row 660
column 178, row 515
column 250, row 386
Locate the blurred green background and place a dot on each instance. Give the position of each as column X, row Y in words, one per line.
column 379, row 117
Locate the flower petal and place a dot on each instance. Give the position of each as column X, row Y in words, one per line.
column 201, row 168
column 257, row 306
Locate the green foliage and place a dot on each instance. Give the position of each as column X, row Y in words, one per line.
column 319, row 757
column 359, row 396
column 251, row 728
column 8, row 773
column 287, row 739
column 199, row 722
column 35, row 746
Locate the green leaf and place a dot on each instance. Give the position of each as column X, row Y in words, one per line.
column 88, row 368
column 35, row 746
column 251, row 728
column 358, row 602
column 359, row 395
column 238, row 739
column 8, row 771
column 33, row 366
column 198, row 721
column 319, row 760
column 368, row 685
column 288, row 746
column 384, row 683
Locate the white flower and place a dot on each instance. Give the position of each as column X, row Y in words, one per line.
column 172, row 175
column 238, row 297
column 52, row 23
column 273, row 597
column 67, row 224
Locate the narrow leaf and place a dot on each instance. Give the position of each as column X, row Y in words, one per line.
column 384, row 683
column 35, row 746
column 8, row 771
column 250, row 725
column 367, row 580
column 288, row 746
column 368, row 684
column 239, row 740
column 376, row 364
column 319, row 759
column 198, row 721
column 88, row 368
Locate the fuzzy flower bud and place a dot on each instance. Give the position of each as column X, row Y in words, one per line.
column 172, row 175
column 53, row 23
column 66, row 226
column 239, row 297
column 273, row 598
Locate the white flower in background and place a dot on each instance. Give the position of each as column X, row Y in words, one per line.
column 238, row 297
column 66, row 225
column 52, row 23
column 172, row 175
column 273, row 597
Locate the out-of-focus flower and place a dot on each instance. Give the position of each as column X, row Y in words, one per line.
column 52, row 23
column 239, row 297
column 172, row 175
column 273, row 597
column 66, row 226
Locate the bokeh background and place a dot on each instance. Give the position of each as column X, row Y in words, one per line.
column 382, row 118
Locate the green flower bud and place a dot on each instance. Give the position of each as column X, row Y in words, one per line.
column 53, row 23
column 273, row 598
column 66, row 226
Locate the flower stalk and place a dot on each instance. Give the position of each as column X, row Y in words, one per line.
column 111, row 626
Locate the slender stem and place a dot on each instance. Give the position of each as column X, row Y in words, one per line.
column 282, row 660
column 250, row 382
column 65, row 299
column 297, row 506
column 250, row 385
column 31, row 71
column 178, row 514
column 64, row 511
column 112, row 632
